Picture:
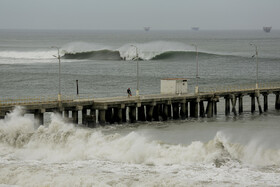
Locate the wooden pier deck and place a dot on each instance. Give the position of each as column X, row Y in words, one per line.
column 147, row 107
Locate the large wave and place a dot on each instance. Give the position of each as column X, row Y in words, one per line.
column 60, row 142
column 158, row 50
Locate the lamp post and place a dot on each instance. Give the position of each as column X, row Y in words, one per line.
column 137, row 90
column 196, row 76
column 257, row 64
column 59, row 72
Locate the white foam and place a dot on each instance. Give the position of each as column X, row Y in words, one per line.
column 147, row 51
column 61, row 154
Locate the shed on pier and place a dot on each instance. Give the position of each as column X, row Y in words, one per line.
column 174, row 86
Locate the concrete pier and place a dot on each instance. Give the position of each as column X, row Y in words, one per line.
column 147, row 107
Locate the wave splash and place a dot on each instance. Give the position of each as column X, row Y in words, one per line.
column 159, row 50
column 59, row 142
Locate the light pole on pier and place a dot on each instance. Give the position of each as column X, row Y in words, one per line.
column 196, row 76
column 136, row 49
column 257, row 64
column 59, row 72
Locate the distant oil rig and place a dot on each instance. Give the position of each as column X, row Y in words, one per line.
column 267, row 29
column 195, row 28
column 147, row 28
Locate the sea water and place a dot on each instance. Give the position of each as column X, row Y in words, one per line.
column 241, row 150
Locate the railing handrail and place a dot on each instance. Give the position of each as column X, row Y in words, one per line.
column 25, row 100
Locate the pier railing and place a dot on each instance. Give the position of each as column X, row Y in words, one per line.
column 6, row 101
column 241, row 87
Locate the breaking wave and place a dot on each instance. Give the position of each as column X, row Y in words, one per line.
column 61, row 142
column 159, row 50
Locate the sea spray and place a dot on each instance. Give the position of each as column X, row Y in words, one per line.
column 61, row 142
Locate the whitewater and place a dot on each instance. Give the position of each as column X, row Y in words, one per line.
column 62, row 154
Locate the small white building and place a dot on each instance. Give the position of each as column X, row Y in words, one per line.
column 174, row 86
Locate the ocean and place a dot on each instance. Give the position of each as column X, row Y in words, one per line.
column 240, row 150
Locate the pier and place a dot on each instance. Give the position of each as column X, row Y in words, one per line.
column 157, row 107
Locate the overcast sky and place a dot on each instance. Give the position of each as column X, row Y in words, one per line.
column 135, row 14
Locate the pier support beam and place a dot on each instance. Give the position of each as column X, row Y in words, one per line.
column 141, row 113
column 265, row 102
column 149, row 110
column 215, row 107
column 39, row 115
column 257, row 95
column 233, row 103
column 124, row 117
column 156, row 112
column 194, row 109
column 259, row 105
column 132, row 114
column 109, row 115
column 84, row 116
column 202, row 111
column 240, row 103
column 277, row 100
column 102, row 116
column 75, row 116
column 175, row 107
column 91, row 119
column 253, row 104
column 166, row 112
column 66, row 114
column 183, row 110
column 227, row 105
column 209, row 108
column 115, row 116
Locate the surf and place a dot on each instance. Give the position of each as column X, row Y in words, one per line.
column 60, row 141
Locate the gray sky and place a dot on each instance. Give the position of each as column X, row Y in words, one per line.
column 135, row 14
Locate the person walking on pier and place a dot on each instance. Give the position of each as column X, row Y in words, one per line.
column 128, row 92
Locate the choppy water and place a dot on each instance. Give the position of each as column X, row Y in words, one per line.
column 223, row 151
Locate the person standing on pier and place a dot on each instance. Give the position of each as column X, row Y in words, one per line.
column 128, row 92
